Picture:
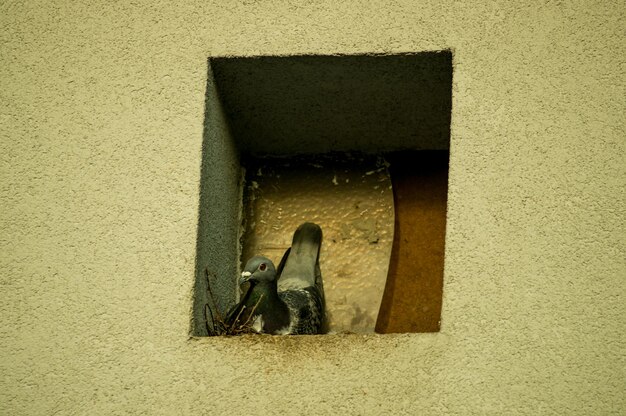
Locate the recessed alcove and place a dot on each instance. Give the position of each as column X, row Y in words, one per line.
column 322, row 121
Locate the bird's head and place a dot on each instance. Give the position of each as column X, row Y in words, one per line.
column 258, row 269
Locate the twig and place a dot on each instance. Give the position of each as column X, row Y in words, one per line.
column 220, row 326
column 246, row 326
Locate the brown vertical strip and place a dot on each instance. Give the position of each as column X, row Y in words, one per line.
column 412, row 298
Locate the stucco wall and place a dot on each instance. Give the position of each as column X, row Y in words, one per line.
column 101, row 128
column 219, row 217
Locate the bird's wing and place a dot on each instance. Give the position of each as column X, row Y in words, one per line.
column 281, row 265
column 306, row 308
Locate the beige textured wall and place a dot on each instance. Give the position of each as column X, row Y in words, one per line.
column 101, row 115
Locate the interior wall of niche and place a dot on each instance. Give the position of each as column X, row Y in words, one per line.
column 350, row 196
column 349, row 131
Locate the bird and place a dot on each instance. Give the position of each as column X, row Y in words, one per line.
column 288, row 299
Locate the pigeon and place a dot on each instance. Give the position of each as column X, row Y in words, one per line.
column 287, row 300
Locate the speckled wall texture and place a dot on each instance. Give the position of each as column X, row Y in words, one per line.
column 101, row 129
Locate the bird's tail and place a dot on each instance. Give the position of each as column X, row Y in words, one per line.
column 300, row 264
column 307, row 240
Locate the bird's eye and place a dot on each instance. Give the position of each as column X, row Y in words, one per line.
column 262, row 267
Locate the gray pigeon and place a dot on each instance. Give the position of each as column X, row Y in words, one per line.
column 287, row 300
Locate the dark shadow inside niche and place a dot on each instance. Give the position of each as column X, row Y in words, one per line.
column 414, row 290
column 282, row 106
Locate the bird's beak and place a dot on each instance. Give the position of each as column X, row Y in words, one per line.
column 245, row 277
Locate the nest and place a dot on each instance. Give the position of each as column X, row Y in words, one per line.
column 239, row 323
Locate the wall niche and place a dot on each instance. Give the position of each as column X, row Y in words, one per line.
column 358, row 144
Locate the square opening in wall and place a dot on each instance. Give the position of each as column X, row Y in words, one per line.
column 356, row 144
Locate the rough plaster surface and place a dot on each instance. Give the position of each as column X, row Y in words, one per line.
column 352, row 200
column 101, row 128
column 219, row 218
